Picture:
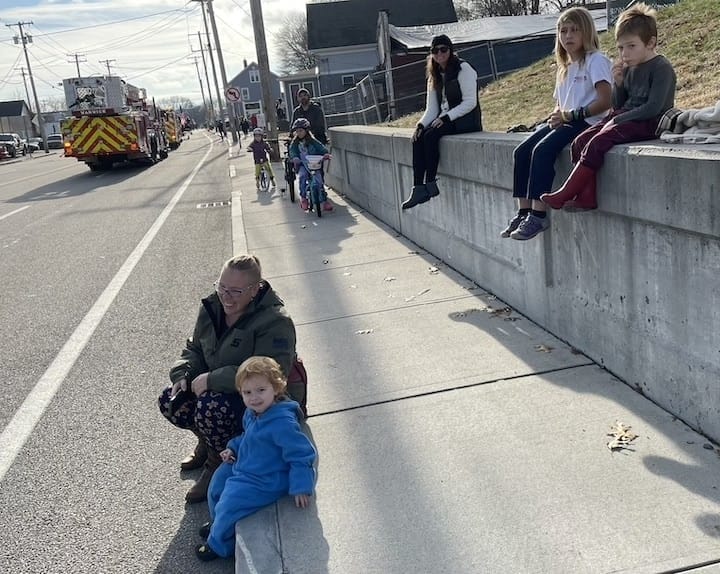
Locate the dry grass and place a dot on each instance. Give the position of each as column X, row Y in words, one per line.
column 688, row 38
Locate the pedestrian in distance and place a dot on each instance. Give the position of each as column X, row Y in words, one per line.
column 271, row 459
column 245, row 126
column 643, row 90
column 313, row 113
column 452, row 107
column 582, row 95
column 303, row 144
column 220, row 128
column 241, row 318
column 261, row 151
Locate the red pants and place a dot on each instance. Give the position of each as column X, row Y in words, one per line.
column 590, row 147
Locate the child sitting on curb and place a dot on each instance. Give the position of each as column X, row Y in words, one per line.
column 271, row 459
column 261, row 150
column 643, row 90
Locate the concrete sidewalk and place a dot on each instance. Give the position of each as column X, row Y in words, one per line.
column 456, row 436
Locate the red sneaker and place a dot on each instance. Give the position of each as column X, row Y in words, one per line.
column 327, row 206
column 304, row 204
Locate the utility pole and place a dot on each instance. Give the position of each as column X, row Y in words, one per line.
column 223, row 75
column 265, row 77
column 207, row 80
column 77, row 59
column 107, row 63
column 27, row 93
column 220, row 111
column 25, row 38
column 202, row 90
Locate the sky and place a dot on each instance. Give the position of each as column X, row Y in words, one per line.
column 150, row 41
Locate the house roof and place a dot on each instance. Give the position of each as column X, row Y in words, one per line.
column 12, row 109
column 354, row 22
column 485, row 29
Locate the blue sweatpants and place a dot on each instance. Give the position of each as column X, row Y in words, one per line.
column 233, row 497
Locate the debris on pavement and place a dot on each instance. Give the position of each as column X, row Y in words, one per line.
column 433, row 270
column 543, row 348
column 622, row 437
column 502, row 312
column 364, row 331
column 462, row 314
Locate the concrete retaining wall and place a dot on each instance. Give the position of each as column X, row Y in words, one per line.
column 634, row 285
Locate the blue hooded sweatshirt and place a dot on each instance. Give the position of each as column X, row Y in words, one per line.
column 273, row 458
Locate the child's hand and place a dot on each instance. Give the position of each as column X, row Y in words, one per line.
column 556, row 119
column 227, row 455
column 327, row 156
column 302, row 500
column 617, row 72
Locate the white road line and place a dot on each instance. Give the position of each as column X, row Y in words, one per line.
column 13, row 212
column 19, row 429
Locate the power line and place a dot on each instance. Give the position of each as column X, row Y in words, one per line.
column 159, row 67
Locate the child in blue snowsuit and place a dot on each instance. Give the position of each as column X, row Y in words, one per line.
column 303, row 144
column 271, row 459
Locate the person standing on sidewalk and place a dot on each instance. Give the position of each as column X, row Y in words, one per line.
column 313, row 113
column 243, row 317
column 452, row 107
column 582, row 97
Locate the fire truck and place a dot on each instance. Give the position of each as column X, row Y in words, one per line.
column 110, row 123
column 173, row 130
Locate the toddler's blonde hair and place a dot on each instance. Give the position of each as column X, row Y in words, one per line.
column 264, row 366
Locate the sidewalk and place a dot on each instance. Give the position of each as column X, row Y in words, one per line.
column 456, row 436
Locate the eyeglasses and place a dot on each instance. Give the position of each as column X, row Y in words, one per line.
column 440, row 49
column 220, row 289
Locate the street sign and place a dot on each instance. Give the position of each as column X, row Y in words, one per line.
column 232, row 94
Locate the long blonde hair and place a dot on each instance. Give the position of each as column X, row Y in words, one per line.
column 590, row 41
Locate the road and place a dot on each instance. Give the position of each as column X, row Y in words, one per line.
column 101, row 276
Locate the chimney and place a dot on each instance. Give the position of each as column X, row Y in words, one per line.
column 244, row 63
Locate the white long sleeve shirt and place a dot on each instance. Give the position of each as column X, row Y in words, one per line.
column 467, row 78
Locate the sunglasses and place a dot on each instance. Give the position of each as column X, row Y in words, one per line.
column 440, row 49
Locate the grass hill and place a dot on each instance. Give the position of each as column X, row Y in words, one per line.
column 688, row 37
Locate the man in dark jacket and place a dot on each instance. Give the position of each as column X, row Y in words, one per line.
column 313, row 113
column 244, row 317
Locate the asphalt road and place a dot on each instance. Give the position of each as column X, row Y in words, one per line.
column 101, row 275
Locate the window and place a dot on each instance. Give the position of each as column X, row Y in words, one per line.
column 348, row 81
column 245, row 94
column 254, row 76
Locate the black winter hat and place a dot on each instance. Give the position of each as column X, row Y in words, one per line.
column 441, row 40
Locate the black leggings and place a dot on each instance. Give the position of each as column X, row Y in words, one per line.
column 426, row 152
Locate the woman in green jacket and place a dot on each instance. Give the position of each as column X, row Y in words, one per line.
column 244, row 317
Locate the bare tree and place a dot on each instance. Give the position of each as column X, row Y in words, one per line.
column 469, row 9
column 291, row 42
column 175, row 102
column 53, row 104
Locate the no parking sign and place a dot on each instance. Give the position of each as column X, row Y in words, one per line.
column 232, row 94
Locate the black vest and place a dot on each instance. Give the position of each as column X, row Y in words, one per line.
column 470, row 122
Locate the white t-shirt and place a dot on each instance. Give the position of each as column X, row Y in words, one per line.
column 577, row 90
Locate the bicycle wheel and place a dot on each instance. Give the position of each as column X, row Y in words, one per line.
column 264, row 180
column 315, row 198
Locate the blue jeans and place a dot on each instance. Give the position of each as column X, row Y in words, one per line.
column 304, row 175
column 534, row 165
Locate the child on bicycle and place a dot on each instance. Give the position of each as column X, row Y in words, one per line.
column 302, row 145
column 260, row 149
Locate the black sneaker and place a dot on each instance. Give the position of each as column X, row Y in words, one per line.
column 513, row 225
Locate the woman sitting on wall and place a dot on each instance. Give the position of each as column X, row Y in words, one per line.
column 452, row 107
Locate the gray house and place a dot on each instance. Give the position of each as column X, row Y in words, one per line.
column 248, row 82
column 342, row 35
column 16, row 117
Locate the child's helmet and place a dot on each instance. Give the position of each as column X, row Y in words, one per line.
column 258, row 132
column 301, row 123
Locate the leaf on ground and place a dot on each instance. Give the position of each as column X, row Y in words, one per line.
column 364, row 331
column 389, row 278
column 622, row 437
column 433, row 270
column 503, row 312
column 543, row 348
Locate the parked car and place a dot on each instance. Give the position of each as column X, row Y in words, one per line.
column 55, row 141
column 3, row 152
column 14, row 144
column 35, row 144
